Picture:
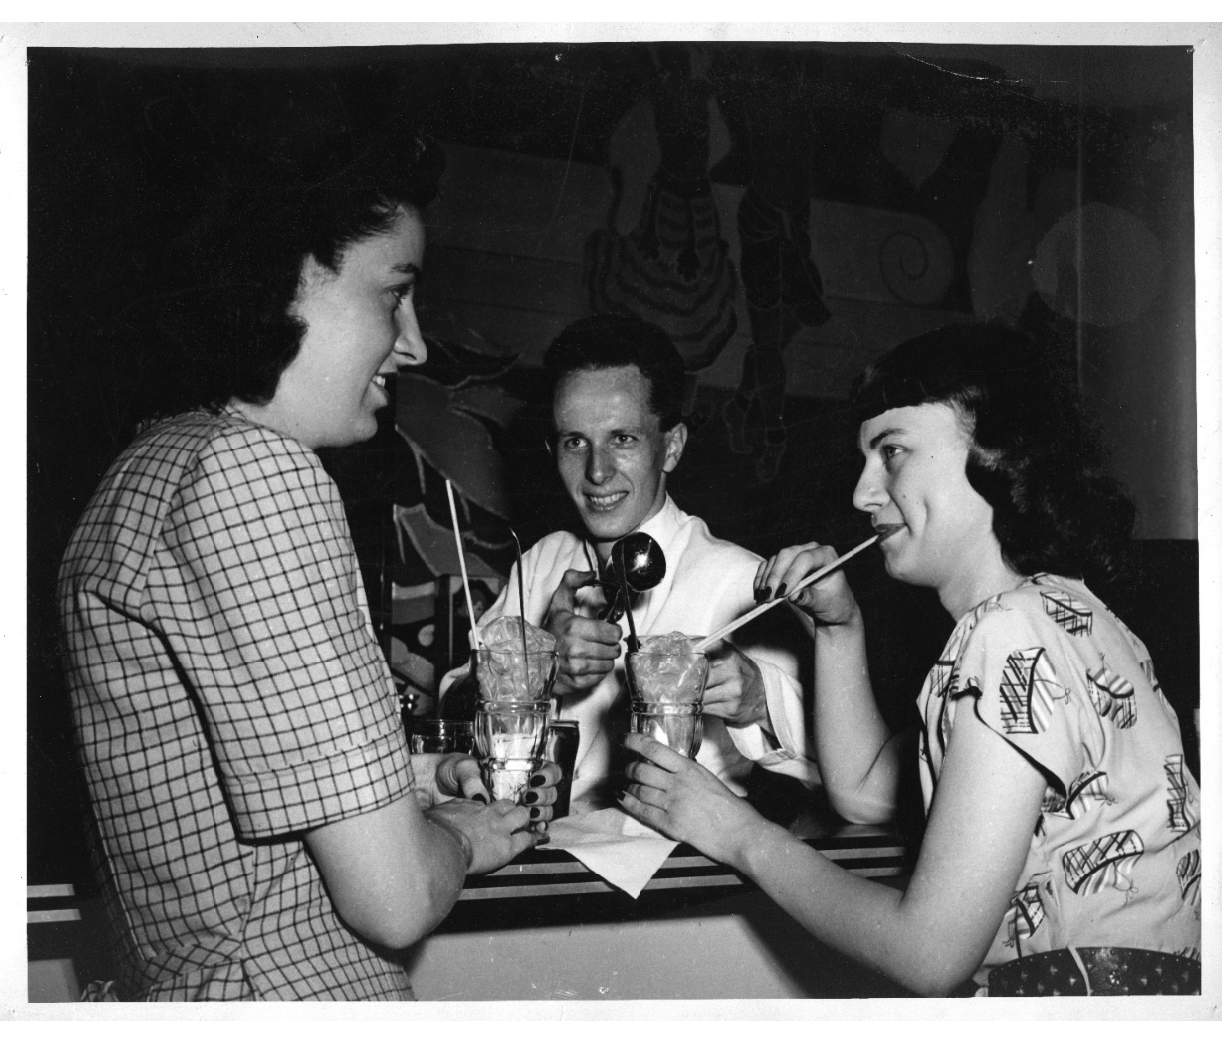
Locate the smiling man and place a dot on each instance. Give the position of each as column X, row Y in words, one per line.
column 618, row 433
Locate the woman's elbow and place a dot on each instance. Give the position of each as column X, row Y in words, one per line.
column 392, row 931
column 400, row 920
column 935, row 968
column 857, row 808
column 935, row 982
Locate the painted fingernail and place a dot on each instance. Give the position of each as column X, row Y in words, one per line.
column 538, row 781
column 544, row 839
column 759, row 595
column 535, row 813
column 780, row 590
column 530, row 797
column 480, row 797
column 767, row 592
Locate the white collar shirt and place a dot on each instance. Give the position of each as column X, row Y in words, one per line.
column 708, row 582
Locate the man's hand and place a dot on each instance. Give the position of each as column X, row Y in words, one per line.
column 735, row 689
column 587, row 648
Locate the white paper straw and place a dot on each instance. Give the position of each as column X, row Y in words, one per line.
column 462, row 564
column 725, row 630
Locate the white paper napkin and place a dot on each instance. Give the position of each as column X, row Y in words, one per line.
column 614, row 845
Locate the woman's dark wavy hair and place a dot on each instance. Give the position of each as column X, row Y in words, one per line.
column 612, row 340
column 229, row 330
column 1035, row 457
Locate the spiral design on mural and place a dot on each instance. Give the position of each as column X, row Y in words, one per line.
column 913, row 270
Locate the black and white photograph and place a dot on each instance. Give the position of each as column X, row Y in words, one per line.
column 616, row 520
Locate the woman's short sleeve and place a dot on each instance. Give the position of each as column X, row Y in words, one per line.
column 263, row 602
column 1013, row 664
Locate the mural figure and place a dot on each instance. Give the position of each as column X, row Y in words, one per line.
column 451, row 430
column 673, row 268
column 784, row 291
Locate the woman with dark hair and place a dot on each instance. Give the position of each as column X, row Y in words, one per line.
column 1062, row 820
column 263, row 832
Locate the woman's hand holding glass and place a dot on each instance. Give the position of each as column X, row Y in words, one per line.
column 829, row 601
column 685, row 801
column 500, row 830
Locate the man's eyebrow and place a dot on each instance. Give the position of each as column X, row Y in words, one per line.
column 885, row 434
column 634, row 431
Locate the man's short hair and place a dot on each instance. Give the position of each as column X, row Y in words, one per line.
column 612, row 341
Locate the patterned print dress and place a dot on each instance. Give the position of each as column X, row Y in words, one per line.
column 1116, row 856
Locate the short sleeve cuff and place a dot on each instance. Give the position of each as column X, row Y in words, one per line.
column 1009, row 670
column 752, row 742
column 1055, row 750
column 322, row 791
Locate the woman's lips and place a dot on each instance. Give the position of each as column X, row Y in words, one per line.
column 380, row 390
column 885, row 531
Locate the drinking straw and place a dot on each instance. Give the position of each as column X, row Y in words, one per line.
column 522, row 609
column 725, row 630
column 462, row 564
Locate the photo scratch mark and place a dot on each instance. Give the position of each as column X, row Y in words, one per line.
column 568, row 164
column 1008, row 84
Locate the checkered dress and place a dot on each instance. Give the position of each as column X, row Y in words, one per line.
column 228, row 695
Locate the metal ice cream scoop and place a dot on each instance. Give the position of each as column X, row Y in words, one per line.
column 637, row 563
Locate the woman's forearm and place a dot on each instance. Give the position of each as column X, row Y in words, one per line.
column 392, row 874
column 934, row 934
column 857, row 758
column 867, row 921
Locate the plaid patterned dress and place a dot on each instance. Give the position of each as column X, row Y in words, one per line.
column 228, row 695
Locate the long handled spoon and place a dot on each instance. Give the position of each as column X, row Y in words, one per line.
column 620, row 566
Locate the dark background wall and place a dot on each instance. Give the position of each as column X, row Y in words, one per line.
column 786, row 211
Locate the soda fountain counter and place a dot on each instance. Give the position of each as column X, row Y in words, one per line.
column 547, row 928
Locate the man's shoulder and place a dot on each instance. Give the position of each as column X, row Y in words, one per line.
column 558, row 545
column 700, row 543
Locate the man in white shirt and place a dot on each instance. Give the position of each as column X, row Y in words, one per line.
column 616, row 408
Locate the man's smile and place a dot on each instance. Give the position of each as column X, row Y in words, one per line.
column 603, row 503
